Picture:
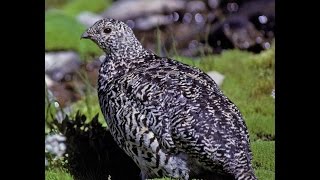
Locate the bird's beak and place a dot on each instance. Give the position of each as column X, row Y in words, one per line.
column 85, row 35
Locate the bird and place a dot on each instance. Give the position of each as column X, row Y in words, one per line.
column 171, row 118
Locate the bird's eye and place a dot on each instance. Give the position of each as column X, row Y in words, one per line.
column 107, row 30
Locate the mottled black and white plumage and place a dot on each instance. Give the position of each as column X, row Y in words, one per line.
column 172, row 119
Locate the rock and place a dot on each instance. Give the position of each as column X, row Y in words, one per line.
column 46, row 163
column 150, row 22
column 125, row 10
column 49, row 82
column 213, row 4
column 236, row 32
column 59, row 93
column 88, row 18
column 65, row 93
column 196, row 6
column 273, row 93
column 55, row 144
column 60, row 64
column 217, row 77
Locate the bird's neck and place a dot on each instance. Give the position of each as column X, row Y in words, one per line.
column 119, row 61
column 126, row 53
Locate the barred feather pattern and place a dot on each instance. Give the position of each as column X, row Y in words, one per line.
column 171, row 118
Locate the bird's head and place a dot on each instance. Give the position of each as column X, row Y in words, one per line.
column 112, row 36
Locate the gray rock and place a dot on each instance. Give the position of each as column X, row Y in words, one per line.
column 124, row 10
column 196, row 6
column 217, row 77
column 102, row 58
column 273, row 93
column 55, row 144
column 60, row 64
column 150, row 22
column 88, row 18
column 213, row 3
column 49, row 81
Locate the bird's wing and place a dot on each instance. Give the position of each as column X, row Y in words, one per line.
column 186, row 111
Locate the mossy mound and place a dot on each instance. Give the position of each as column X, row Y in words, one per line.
column 63, row 32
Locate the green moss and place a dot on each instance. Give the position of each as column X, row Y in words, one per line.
column 263, row 155
column 74, row 7
column 63, row 33
column 265, row 174
column 57, row 174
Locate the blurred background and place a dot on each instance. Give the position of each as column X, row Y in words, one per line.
column 232, row 40
column 190, row 28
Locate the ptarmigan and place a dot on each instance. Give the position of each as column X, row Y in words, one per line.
column 172, row 119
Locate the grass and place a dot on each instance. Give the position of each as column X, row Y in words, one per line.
column 89, row 104
column 263, row 162
column 74, row 7
column 89, row 111
column 58, row 174
column 263, row 151
column 63, row 32
column 50, row 4
column 249, row 80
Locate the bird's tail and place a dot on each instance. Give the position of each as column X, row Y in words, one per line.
column 246, row 175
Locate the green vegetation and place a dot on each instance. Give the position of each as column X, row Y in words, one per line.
column 89, row 106
column 74, row 7
column 263, row 162
column 263, row 151
column 50, row 4
column 58, row 174
column 63, row 33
